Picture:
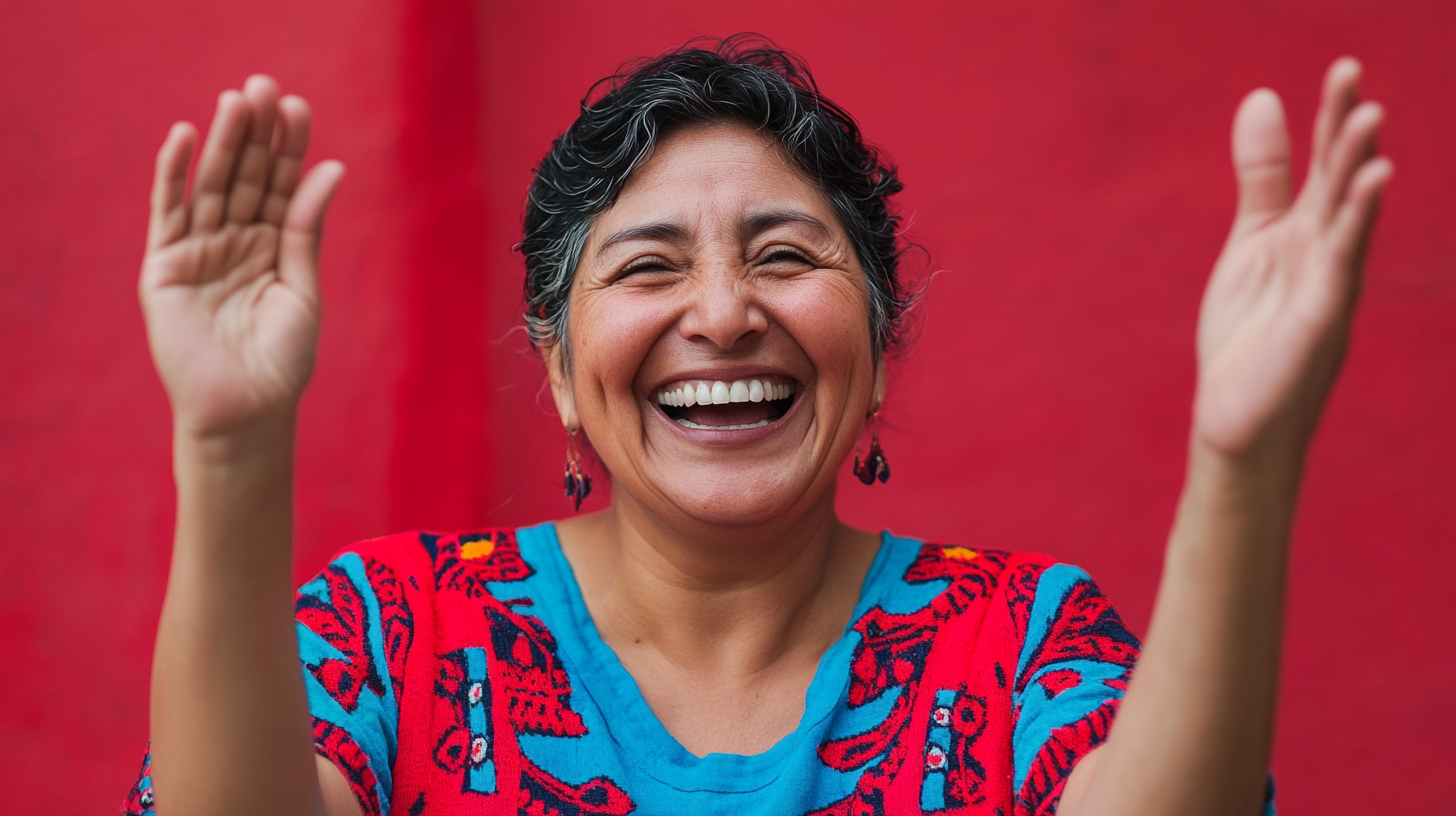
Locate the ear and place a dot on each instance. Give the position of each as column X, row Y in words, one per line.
column 878, row 398
column 561, row 386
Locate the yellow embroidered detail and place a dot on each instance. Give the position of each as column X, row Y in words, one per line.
column 471, row 550
column 960, row 553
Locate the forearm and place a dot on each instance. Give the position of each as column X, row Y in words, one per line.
column 230, row 726
column 1194, row 731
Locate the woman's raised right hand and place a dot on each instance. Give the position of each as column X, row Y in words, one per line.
column 229, row 284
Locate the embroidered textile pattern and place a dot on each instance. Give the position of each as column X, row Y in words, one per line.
column 340, row 616
column 140, row 798
column 333, row 742
column 536, row 686
column 466, row 562
column 354, row 612
column 462, row 695
column 954, row 777
column 1082, row 645
column 892, row 655
column 460, row 673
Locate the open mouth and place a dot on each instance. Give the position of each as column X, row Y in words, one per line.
column 718, row 405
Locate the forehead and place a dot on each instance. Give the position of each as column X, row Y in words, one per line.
column 713, row 172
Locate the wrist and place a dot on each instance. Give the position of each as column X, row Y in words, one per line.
column 262, row 439
column 235, row 503
column 1264, row 479
column 244, row 466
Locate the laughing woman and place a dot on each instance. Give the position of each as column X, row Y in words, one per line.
column 711, row 280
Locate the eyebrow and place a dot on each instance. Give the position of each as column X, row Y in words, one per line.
column 759, row 222
column 675, row 233
column 660, row 231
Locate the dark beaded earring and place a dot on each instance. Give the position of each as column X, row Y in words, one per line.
column 578, row 484
column 875, row 466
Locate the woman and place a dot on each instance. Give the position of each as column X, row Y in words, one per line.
column 711, row 279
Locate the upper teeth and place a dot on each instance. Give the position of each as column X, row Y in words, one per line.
column 704, row 392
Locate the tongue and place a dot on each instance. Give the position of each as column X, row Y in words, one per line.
column 733, row 413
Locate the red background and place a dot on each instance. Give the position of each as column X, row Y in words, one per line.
column 1066, row 168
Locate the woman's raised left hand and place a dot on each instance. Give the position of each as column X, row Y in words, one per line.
column 1276, row 316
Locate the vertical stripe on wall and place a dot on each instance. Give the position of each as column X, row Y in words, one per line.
column 439, row 457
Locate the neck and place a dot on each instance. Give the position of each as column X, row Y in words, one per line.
column 715, row 598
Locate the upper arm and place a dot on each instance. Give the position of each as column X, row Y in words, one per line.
column 1078, row 783
column 338, row 798
column 355, row 628
column 1071, row 675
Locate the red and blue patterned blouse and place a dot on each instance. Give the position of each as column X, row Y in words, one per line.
column 461, row 674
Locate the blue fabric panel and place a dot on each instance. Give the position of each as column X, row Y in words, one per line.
column 937, row 751
column 932, row 791
column 482, row 769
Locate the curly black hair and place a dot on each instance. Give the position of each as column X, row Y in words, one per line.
column 743, row 78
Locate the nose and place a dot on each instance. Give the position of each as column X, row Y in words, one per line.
column 723, row 310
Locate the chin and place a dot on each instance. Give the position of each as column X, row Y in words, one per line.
column 738, row 499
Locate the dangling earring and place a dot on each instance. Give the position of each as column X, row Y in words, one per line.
column 875, row 466
column 578, row 484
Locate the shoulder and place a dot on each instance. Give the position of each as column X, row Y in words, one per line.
column 384, row 608
column 967, row 568
column 428, row 560
column 421, row 583
column 1037, row 597
column 996, row 569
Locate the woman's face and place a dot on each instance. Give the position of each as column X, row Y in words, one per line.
column 721, row 355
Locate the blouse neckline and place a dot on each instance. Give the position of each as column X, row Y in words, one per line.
column 635, row 727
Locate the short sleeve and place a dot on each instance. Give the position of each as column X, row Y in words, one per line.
column 354, row 632
column 354, row 629
column 1071, row 674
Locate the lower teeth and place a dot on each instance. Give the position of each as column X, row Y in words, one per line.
column 690, row 424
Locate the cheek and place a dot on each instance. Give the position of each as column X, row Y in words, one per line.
column 611, row 333
column 828, row 316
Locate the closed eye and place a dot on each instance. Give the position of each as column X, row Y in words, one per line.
column 785, row 255
column 648, row 264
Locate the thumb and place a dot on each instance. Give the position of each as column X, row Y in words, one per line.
column 303, row 223
column 1261, row 160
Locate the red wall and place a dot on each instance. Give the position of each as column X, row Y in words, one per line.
column 1066, row 171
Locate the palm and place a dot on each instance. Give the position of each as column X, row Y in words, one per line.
column 230, row 338
column 1276, row 315
column 229, row 283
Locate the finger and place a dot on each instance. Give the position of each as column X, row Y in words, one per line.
column 1261, row 160
column 1341, row 94
column 1357, row 215
column 1354, row 146
column 169, row 204
column 251, row 177
column 219, row 156
column 290, row 142
column 303, row 227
